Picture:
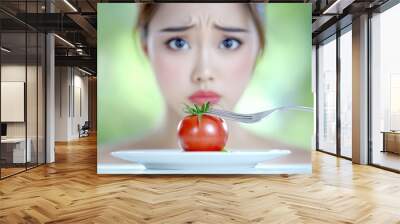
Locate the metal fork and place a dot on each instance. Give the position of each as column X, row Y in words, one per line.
column 252, row 118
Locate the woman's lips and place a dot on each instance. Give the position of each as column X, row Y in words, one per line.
column 201, row 97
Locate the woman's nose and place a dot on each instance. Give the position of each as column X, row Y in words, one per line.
column 203, row 78
column 203, row 71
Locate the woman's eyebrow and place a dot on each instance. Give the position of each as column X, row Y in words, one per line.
column 176, row 28
column 230, row 29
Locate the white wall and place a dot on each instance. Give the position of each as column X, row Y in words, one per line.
column 81, row 89
column 62, row 81
column 11, row 73
column 12, row 101
column 71, row 87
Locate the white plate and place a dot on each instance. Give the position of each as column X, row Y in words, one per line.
column 180, row 160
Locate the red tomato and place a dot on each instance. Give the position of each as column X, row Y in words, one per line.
column 210, row 134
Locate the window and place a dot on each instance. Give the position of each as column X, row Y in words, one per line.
column 327, row 96
column 22, row 76
column 346, row 93
column 385, row 88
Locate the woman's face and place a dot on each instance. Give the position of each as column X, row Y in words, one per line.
column 202, row 52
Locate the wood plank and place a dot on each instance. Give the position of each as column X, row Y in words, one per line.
column 70, row 191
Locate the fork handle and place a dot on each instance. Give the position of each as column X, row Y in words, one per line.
column 303, row 108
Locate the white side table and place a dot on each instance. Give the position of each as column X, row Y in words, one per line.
column 19, row 155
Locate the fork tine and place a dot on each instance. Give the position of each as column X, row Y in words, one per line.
column 223, row 112
column 234, row 116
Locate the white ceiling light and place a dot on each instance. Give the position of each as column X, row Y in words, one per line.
column 338, row 6
column 5, row 50
column 84, row 71
column 79, row 51
column 70, row 5
column 65, row 41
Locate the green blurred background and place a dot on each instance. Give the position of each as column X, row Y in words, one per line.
column 129, row 102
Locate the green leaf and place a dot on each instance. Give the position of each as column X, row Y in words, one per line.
column 197, row 108
column 203, row 107
column 207, row 106
column 187, row 109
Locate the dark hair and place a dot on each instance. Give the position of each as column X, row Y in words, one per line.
column 147, row 11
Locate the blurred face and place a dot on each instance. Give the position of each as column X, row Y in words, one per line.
column 202, row 52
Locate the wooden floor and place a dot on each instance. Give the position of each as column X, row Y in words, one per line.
column 10, row 171
column 70, row 191
column 387, row 159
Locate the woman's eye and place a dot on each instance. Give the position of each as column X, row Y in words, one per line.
column 178, row 44
column 230, row 44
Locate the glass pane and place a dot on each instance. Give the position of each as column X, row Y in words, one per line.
column 346, row 93
column 23, row 89
column 31, row 100
column 327, row 96
column 31, row 86
column 386, row 89
column 41, row 99
column 13, row 86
